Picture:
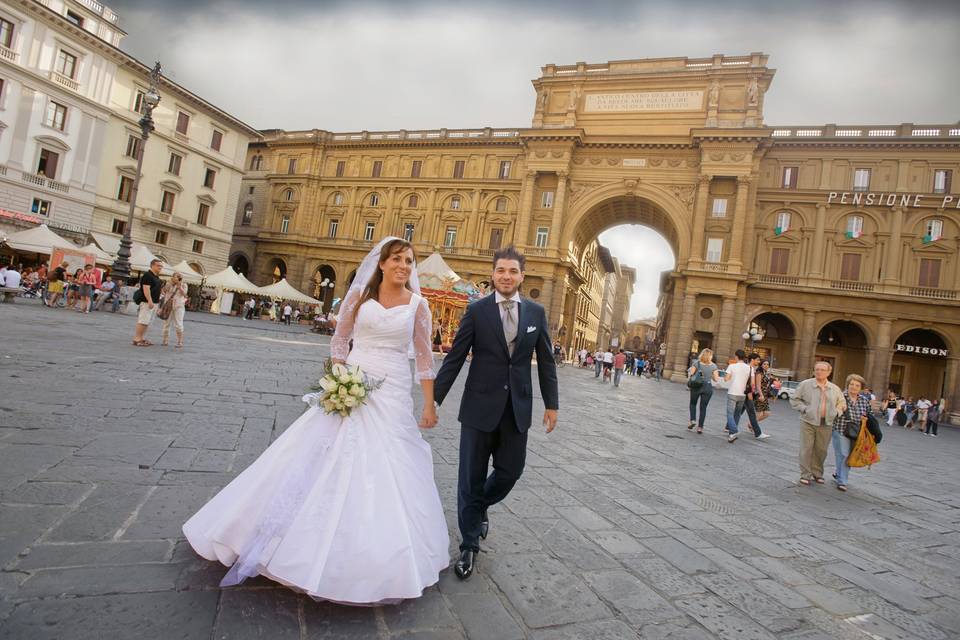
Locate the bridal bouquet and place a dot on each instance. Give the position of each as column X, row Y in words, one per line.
column 342, row 389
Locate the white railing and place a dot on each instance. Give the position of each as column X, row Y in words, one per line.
column 33, row 179
column 3, row 169
column 66, row 81
column 905, row 130
column 43, row 181
column 8, row 54
column 715, row 267
column 769, row 278
column 851, row 285
column 403, row 134
column 927, row 292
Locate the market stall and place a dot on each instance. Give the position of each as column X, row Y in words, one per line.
column 283, row 290
column 38, row 242
column 226, row 283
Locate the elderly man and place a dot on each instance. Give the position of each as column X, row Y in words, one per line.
column 819, row 401
column 147, row 297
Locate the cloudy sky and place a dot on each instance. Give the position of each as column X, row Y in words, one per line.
column 353, row 64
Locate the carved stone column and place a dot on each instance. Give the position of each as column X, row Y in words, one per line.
column 389, row 217
column 350, row 223
column 558, row 213
column 699, row 221
column 879, row 377
column 684, row 335
column 891, row 265
column 816, row 259
column 522, row 233
column 739, row 222
column 724, row 347
column 431, row 220
column 952, row 391
column 808, row 342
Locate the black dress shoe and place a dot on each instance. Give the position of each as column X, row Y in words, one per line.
column 464, row 566
column 484, row 525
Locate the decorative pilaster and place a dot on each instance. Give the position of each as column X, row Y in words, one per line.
column 808, row 341
column 816, row 260
column 724, row 346
column 739, row 222
column 699, row 221
column 952, row 383
column 891, row 265
column 558, row 213
column 522, row 233
column 684, row 335
column 880, row 374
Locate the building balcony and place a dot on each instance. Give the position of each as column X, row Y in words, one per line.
column 66, row 81
column 45, row 182
column 852, row 287
column 8, row 54
column 870, row 132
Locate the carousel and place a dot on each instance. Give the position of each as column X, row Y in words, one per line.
column 448, row 295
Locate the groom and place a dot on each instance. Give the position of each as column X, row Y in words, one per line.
column 502, row 330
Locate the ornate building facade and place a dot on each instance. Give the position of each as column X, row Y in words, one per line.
column 828, row 242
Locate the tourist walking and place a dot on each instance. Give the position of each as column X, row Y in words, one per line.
column 762, row 381
column 933, row 419
column 923, row 408
column 619, row 362
column 819, row 401
column 55, row 284
column 146, row 297
column 892, row 404
column 607, row 365
column 174, row 307
column 701, row 376
column 846, row 423
column 287, row 313
column 597, row 363
column 87, row 280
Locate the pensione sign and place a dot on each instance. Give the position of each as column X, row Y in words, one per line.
column 923, row 351
column 871, row 199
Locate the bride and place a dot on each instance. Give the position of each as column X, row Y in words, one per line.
column 346, row 509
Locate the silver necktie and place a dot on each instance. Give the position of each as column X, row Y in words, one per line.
column 509, row 324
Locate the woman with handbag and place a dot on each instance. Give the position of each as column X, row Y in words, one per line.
column 701, row 376
column 847, row 425
column 172, row 308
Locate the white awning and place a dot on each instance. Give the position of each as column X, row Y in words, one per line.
column 189, row 275
column 230, row 280
column 37, row 240
column 285, row 291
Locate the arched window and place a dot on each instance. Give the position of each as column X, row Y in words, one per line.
column 374, row 199
column 413, row 201
column 501, row 204
column 288, row 195
column 338, row 198
column 256, row 162
column 933, row 230
column 783, row 222
column 247, row 214
column 455, row 203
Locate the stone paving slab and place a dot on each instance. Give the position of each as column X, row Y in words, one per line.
column 624, row 525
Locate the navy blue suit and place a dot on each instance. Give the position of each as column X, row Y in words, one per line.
column 497, row 404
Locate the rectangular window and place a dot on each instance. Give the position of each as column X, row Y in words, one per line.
column 413, row 201
column 126, row 189
column 501, row 205
column 292, row 166
column 450, row 238
column 338, row 198
column 138, row 104
column 929, row 273
column 183, row 123
column 861, row 180
column 250, row 191
column 408, row 232
column 48, row 163
column 377, row 168
column 198, row 246
column 40, row 207
column 332, row 229
column 416, row 168
column 458, row 169
column 216, row 140
column 6, row 33
column 247, row 214
column 203, row 213
column 779, row 260
column 173, row 166
column 369, row 230
column 934, row 230
column 546, row 199
column 719, row 208
column 850, row 266
column 783, row 223
column 854, row 226
column 374, row 199
column 714, row 249
column 133, row 146
column 496, row 238
column 543, row 233
column 119, row 226
column 75, row 18
column 209, row 177
column 341, row 167
column 161, row 237
column 942, row 179
column 67, row 64
column 285, row 224
column 504, row 169
column 455, row 203
column 790, row 177
column 166, row 201
column 56, row 115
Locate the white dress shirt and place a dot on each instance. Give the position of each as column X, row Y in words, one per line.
column 12, row 278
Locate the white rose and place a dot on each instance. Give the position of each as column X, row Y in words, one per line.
column 342, row 392
column 362, row 393
column 350, row 401
column 328, row 406
column 327, row 383
column 339, row 370
column 355, row 390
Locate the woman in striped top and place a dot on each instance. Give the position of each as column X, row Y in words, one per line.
column 858, row 405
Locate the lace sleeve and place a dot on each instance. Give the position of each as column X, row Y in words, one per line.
column 340, row 342
column 422, row 327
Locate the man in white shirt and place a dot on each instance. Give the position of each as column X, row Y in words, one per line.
column 607, row 364
column 287, row 313
column 737, row 379
column 104, row 292
column 597, row 363
column 11, row 278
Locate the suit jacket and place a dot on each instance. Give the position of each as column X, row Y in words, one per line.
column 494, row 374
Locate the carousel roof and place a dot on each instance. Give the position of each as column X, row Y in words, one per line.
column 434, row 272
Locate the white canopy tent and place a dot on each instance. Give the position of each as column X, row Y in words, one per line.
column 102, row 256
column 141, row 257
column 227, row 282
column 285, row 291
column 189, row 275
column 37, row 240
column 110, row 244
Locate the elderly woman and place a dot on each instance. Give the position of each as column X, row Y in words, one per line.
column 858, row 406
column 174, row 294
column 819, row 401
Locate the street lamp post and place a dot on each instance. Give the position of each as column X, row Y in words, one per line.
column 120, row 270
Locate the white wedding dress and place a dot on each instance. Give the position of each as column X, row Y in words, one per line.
column 343, row 509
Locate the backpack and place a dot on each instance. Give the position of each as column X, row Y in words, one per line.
column 696, row 380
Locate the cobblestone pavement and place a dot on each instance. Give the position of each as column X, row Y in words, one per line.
column 624, row 525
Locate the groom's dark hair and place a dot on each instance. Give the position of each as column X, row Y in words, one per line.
column 509, row 253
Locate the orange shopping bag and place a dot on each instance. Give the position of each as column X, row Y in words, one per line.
column 864, row 451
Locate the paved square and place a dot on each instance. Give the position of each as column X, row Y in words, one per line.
column 625, row 525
